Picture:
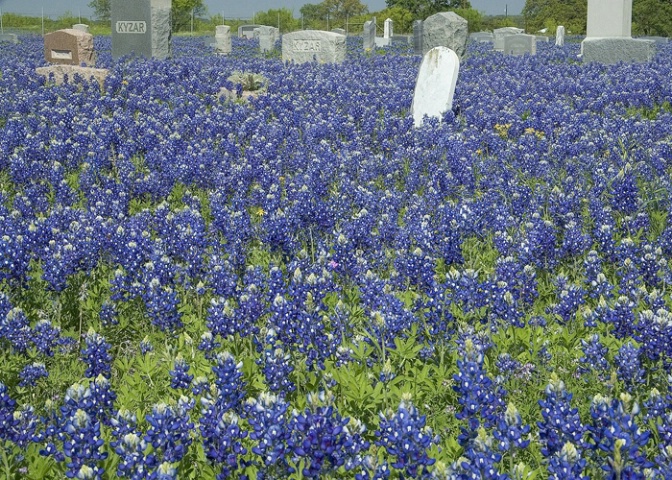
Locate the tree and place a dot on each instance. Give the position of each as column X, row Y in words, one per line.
column 424, row 8
column 540, row 14
column 652, row 17
column 101, row 9
column 279, row 17
column 402, row 18
column 342, row 9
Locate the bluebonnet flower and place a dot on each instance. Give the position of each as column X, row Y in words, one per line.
column 146, row 346
column 595, row 356
column 96, row 355
column 267, row 417
column 179, row 378
column 629, row 366
column 32, row 373
column 82, row 443
column 510, row 433
column 567, row 464
column 208, row 344
column 15, row 328
column 108, row 314
column 479, row 460
column 276, row 364
column 561, row 423
column 45, row 337
column 654, row 333
column 406, row 440
column 7, row 419
column 169, row 432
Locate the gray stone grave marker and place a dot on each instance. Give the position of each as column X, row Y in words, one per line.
column 369, row 34
column 481, row 37
column 560, row 36
column 340, row 31
column 81, row 26
column 417, row 37
column 435, row 85
column 313, row 45
column 69, row 47
column 520, row 44
column 141, row 27
column 446, row 29
column 267, row 37
column 500, row 33
column 9, row 37
column 614, row 50
column 247, row 31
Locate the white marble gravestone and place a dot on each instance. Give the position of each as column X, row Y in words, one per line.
column 435, row 86
column 369, row 34
column 609, row 19
column 223, row 39
column 560, row 36
column 388, row 28
column 520, row 44
column 313, row 45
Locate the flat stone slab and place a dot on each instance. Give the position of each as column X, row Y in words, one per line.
column 60, row 71
column 614, row 50
column 435, row 86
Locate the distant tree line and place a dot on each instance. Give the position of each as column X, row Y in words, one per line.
column 649, row 17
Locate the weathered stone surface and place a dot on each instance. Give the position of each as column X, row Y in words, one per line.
column 435, row 86
column 609, row 18
column 560, row 36
column 142, row 28
column 655, row 39
column 340, row 31
column 520, row 44
column 61, row 71
column 81, row 26
column 313, row 45
column 369, row 34
column 223, row 39
column 247, row 31
column 614, row 50
column 69, row 47
column 500, row 33
column 446, row 29
column 482, row 37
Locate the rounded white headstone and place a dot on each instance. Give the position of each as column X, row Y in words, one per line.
column 435, row 86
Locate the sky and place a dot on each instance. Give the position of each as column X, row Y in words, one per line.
column 230, row 8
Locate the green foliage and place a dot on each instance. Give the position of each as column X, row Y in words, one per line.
column 422, row 9
column 402, row 18
column 102, row 9
column 277, row 17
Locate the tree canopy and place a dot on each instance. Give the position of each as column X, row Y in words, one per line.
column 424, row 8
column 181, row 11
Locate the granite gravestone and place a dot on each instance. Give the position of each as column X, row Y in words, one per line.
column 614, row 50
column 142, row 28
column 560, row 36
column 446, row 29
column 223, row 39
column 520, row 44
column 69, row 47
column 247, row 31
column 435, row 85
column 81, row 26
column 417, row 37
column 313, row 45
column 369, row 34
column 499, row 34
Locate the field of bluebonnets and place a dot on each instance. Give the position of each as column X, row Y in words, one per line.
column 303, row 285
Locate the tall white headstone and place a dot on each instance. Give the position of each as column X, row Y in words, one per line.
column 223, row 38
column 388, row 28
column 609, row 18
column 560, row 36
column 435, row 86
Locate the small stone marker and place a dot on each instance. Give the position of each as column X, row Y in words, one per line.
column 81, row 26
column 369, row 34
column 481, row 37
column 313, row 45
column 614, row 50
column 141, row 27
column 520, row 44
column 560, row 36
column 223, row 39
column 435, row 86
column 340, row 31
column 388, row 28
column 9, row 37
column 267, row 37
column 446, row 29
column 500, row 33
column 247, row 31
column 69, row 47
column 417, row 37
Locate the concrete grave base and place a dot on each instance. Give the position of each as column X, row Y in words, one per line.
column 60, row 71
column 614, row 50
